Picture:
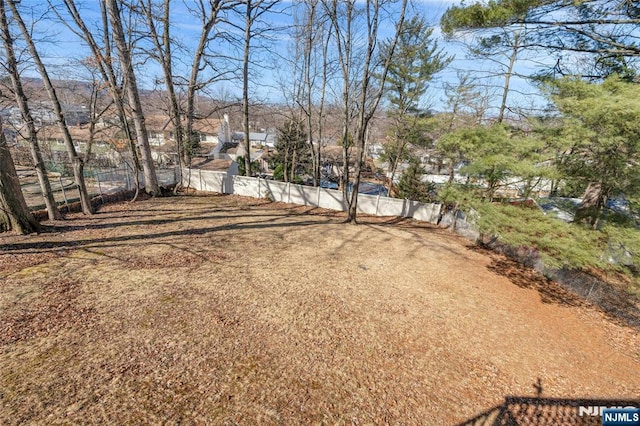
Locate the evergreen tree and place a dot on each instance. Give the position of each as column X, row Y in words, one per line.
column 412, row 187
column 292, row 158
column 601, row 136
column 417, row 58
column 255, row 167
column 496, row 156
column 601, row 33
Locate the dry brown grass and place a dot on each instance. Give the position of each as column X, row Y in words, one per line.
column 225, row 310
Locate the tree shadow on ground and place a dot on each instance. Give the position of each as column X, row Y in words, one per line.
column 568, row 288
column 549, row 290
column 272, row 222
column 517, row 410
column 136, row 220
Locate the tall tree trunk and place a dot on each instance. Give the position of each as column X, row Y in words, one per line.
column 451, row 170
column 394, row 165
column 23, row 104
column 368, row 103
column 325, row 69
column 310, row 30
column 315, row 157
column 14, row 213
column 76, row 160
column 245, row 88
column 344, row 45
column 207, row 25
column 105, row 66
column 593, row 202
column 254, row 9
column 509, row 73
column 293, row 164
column 163, row 56
column 131, row 87
column 285, row 164
column 357, row 172
column 346, row 115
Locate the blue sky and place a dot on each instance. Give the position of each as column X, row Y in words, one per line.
column 65, row 49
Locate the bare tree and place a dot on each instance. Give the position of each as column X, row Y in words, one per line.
column 96, row 108
column 467, row 106
column 297, row 82
column 27, row 118
column 373, row 65
column 162, row 53
column 254, row 10
column 311, row 45
column 76, row 160
column 133, row 95
column 341, row 22
column 209, row 13
column 14, row 213
column 105, row 64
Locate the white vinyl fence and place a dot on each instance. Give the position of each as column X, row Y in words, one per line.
column 220, row 182
column 205, row 180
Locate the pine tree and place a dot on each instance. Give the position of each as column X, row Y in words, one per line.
column 412, row 187
column 601, row 135
column 292, row 157
column 417, row 58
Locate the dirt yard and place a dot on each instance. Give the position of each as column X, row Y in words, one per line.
column 227, row 310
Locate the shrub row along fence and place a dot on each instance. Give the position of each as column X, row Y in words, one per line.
column 221, row 182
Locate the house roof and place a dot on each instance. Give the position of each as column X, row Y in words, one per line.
column 211, row 164
column 208, row 125
column 161, row 122
column 158, row 122
column 79, row 133
column 253, row 136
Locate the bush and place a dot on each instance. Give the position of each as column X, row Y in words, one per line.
column 612, row 249
column 412, row 187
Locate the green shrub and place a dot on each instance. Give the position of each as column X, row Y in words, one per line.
column 614, row 248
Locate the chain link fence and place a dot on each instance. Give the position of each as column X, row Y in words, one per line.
column 105, row 174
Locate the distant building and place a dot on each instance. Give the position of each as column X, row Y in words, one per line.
column 161, row 130
column 44, row 115
column 374, row 149
column 257, row 139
